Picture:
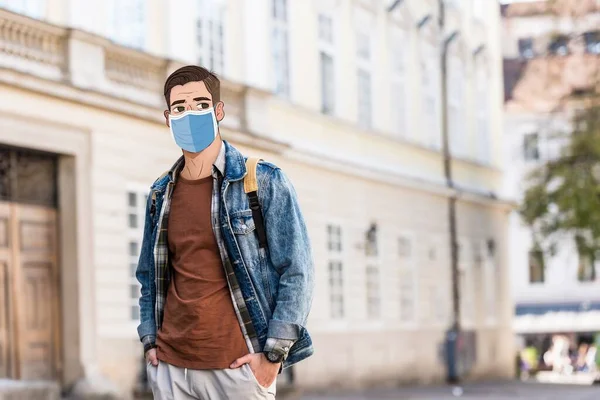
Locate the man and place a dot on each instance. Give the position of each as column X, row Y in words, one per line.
column 222, row 309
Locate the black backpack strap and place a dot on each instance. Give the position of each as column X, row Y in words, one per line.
column 251, row 189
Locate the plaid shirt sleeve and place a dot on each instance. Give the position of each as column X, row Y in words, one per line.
column 281, row 346
column 149, row 342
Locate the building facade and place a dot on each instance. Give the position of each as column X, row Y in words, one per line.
column 343, row 95
column 551, row 51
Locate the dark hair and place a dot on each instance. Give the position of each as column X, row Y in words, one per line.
column 193, row 73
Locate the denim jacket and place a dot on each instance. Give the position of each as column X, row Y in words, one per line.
column 272, row 288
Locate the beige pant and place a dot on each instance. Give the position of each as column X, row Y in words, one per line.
column 174, row 383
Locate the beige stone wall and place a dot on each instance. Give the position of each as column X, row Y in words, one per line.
column 125, row 150
column 109, row 122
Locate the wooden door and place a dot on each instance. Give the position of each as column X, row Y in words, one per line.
column 31, row 286
column 37, row 301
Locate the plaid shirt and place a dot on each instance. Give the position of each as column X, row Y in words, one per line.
column 161, row 262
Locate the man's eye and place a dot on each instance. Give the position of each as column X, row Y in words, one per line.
column 179, row 109
column 203, row 106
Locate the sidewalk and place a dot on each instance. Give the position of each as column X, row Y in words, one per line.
column 478, row 391
column 580, row 378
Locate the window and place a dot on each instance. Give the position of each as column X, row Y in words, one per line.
column 373, row 292
column 209, row 35
column 372, row 249
column 453, row 3
column 536, row 266
column 404, row 247
column 429, row 94
column 336, row 272
column 559, row 46
column 128, row 22
column 327, row 84
column 327, row 51
column 31, row 8
column 592, row 42
column 363, row 40
column 334, row 238
column 363, row 46
column 372, row 271
column 364, row 99
column 485, row 256
column 336, row 289
column 482, row 122
column 281, row 48
column 325, row 28
column 456, row 107
column 467, row 284
column 136, row 209
column 408, row 282
column 586, row 272
column 526, row 48
column 398, row 96
column 531, row 150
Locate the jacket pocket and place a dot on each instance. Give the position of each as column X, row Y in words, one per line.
column 242, row 222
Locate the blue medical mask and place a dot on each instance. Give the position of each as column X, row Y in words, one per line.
column 194, row 130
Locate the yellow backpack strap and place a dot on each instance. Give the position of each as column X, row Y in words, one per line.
column 251, row 189
column 250, row 182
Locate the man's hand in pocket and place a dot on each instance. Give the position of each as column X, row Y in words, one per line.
column 151, row 357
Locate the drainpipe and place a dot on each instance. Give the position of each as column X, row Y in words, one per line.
column 454, row 331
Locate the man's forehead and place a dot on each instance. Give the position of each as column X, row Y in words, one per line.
column 191, row 88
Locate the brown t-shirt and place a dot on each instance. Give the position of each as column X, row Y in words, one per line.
column 200, row 329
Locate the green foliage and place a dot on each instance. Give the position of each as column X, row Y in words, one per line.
column 563, row 196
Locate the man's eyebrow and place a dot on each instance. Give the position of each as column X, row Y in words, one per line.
column 177, row 102
column 201, row 99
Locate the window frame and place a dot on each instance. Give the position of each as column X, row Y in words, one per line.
column 374, row 298
column 335, row 257
column 120, row 32
column 364, row 69
column 407, row 268
column 135, row 235
column 457, row 118
column 430, row 93
column 210, row 37
column 468, row 251
column 37, row 10
column 281, row 48
column 532, row 254
column 327, row 50
column 531, row 154
column 483, row 131
column 490, row 275
column 399, row 58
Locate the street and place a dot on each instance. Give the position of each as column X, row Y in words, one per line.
column 484, row 391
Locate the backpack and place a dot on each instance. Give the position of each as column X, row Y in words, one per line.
column 251, row 190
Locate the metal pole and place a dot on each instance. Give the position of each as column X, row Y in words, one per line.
column 453, row 376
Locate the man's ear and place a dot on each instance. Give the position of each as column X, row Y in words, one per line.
column 167, row 113
column 219, row 111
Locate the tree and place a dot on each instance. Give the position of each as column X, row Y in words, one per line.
column 562, row 201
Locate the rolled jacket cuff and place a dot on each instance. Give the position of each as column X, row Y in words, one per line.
column 283, row 330
column 146, row 328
